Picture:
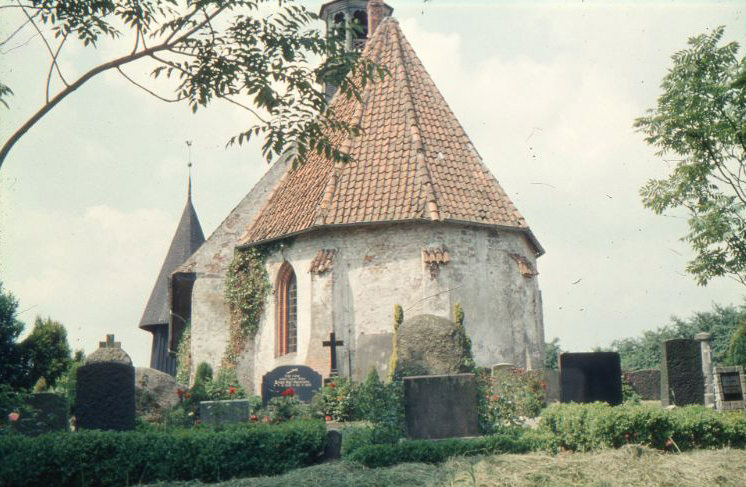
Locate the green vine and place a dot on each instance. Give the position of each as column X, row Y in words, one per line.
column 467, row 359
column 184, row 355
column 246, row 288
column 394, row 361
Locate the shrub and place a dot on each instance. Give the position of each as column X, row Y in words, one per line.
column 508, row 397
column 584, row 427
column 437, row 451
column 98, row 458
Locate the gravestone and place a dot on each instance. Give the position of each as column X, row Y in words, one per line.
column 682, row 381
column 440, row 406
column 429, row 345
column 105, row 390
column 730, row 387
column 215, row 413
column 48, row 413
column 552, row 380
column 646, row 383
column 590, row 377
column 304, row 381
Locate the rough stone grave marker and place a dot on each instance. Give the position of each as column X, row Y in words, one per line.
column 441, row 406
column 105, row 390
column 730, row 387
column 304, row 381
column 590, row 377
column 682, row 381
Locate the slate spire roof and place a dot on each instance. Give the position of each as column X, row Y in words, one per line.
column 412, row 162
column 186, row 241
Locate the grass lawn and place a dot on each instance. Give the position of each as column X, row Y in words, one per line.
column 630, row 466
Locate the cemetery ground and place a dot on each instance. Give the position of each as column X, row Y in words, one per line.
column 629, row 466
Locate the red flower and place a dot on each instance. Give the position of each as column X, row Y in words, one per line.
column 495, row 397
column 180, row 392
column 254, row 418
column 188, row 395
column 13, row 417
column 332, row 385
column 544, row 385
column 267, row 419
column 289, row 392
column 232, row 391
column 328, row 418
column 199, row 421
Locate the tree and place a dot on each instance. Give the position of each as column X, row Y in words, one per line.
column 645, row 351
column 700, row 120
column 210, row 49
column 552, row 351
column 47, row 352
column 737, row 347
column 12, row 368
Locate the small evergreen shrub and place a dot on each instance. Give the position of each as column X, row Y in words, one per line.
column 104, row 458
column 585, row 427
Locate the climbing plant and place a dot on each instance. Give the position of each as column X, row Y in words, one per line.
column 467, row 359
column 246, row 288
column 394, row 360
column 184, row 355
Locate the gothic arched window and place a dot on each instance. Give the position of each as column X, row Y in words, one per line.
column 360, row 20
column 287, row 311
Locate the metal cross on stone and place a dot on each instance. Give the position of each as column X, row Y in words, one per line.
column 109, row 343
column 333, row 343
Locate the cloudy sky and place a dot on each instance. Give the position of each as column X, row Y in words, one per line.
column 548, row 91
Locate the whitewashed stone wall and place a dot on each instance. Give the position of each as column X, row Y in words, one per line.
column 379, row 266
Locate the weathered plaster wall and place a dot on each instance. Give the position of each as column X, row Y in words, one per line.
column 210, row 316
column 379, row 266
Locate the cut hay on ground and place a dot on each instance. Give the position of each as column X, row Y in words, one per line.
column 631, row 466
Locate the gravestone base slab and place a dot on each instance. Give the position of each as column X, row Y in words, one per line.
column 215, row 413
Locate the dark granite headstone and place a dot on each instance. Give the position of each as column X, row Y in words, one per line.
column 731, row 383
column 105, row 396
column 441, row 406
column 304, row 381
column 333, row 445
column 682, row 381
column 590, row 377
column 646, row 383
column 730, row 387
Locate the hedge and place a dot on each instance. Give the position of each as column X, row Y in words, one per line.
column 584, row 427
column 106, row 458
column 437, row 451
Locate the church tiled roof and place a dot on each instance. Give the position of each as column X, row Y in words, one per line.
column 186, row 241
column 413, row 161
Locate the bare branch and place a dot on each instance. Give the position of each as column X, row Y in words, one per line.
column 49, row 48
column 54, row 63
column 169, row 100
column 17, row 30
column 249, row 109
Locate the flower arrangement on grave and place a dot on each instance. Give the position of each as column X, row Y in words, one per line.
column 509, row 397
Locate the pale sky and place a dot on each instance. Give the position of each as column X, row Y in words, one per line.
column 547, row 91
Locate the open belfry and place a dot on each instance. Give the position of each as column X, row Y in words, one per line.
column 416, row 220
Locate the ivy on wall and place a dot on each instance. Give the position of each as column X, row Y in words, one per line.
column 184, row 355
column 467, row 360
column 246, row 288
column 394, row 360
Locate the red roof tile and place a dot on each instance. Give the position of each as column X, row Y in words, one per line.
column 413, row 160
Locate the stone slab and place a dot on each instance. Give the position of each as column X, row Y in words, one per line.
column 441, row 406
column 105, row 396
column 646, row 383
column 304, row 381
column 591, row 377
column 682, row 380
column 552, row 379
column 216, row 413
column 730, row 388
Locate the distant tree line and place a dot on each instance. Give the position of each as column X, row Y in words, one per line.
column 726, row 324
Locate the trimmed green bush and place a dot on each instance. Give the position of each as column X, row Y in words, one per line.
column 437, row 451
column 103, row 458
column 585, row 427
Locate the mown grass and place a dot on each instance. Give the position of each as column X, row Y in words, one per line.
column 624, row 467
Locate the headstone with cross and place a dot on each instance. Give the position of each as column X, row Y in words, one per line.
column 333, row 343
column 109, row 343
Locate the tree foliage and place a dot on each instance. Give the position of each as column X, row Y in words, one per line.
column 737, row 346
column 700, row 120
column 210, row 50
column 645, row 351
column 11, row 357
column 47, row 352
column 552, row 351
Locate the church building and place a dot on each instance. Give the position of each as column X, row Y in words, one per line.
column 416, row 219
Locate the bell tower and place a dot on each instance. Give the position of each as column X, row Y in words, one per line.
column 353, row 21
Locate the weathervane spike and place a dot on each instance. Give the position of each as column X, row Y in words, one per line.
column 189, row 165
